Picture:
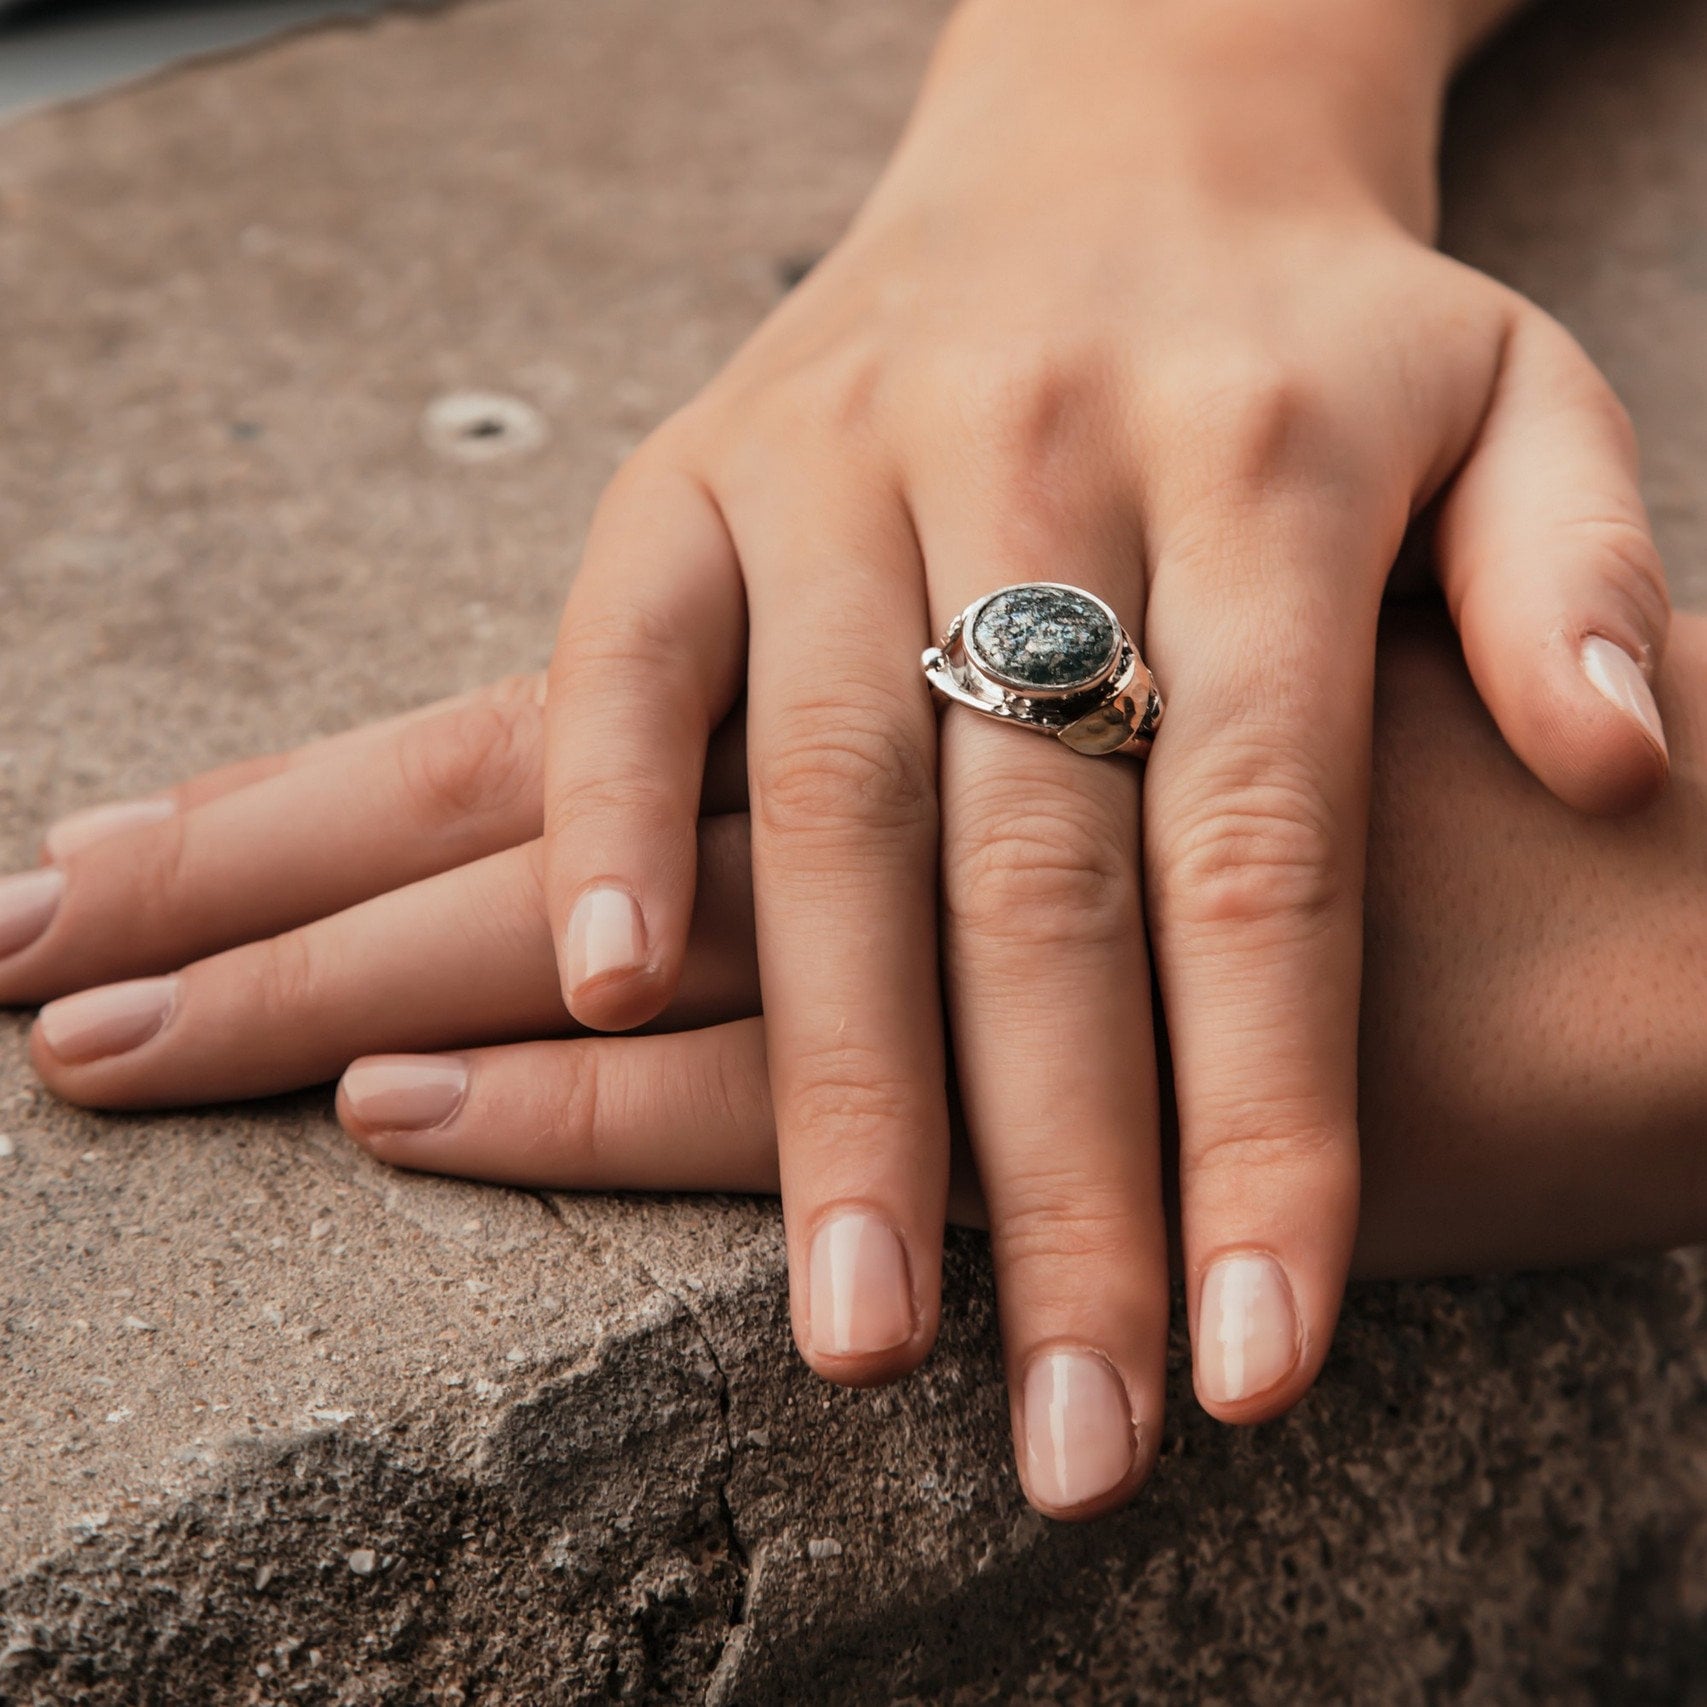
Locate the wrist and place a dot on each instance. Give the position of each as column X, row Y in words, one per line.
column 1306, row 98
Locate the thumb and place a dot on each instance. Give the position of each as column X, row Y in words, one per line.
column 1551, row 573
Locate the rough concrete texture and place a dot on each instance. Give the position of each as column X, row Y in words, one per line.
column 280, row 1426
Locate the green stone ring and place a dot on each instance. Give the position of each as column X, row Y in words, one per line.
column 1052, row 658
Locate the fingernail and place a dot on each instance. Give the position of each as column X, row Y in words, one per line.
column 28, row 902
column 1080, row 1438
column 606, row 934
column 859, row 1293
column 1619, row 677
column 77, row 830
column 1247, row 1328
column 405, row 1093
column 96, row 1023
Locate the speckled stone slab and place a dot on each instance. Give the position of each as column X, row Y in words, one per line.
column 312, row 364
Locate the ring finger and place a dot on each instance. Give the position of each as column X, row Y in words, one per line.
column 1049, row 996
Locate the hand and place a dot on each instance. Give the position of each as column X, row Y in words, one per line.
column 1145, row 302
column 1506, row 1120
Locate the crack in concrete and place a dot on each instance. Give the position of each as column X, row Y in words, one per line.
column 718, row 1684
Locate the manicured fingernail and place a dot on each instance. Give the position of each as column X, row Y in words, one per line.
column 78, row 830
column 606, row 934
column 1080, row 1438
column 1247, row 1328
column 1619, row 677
column 107, row 1021
column 28, row 902
column 859, row 1292
column 405, row 1093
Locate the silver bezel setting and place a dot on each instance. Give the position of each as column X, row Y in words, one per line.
column 1114, row 711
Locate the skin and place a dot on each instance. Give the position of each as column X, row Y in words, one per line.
column 1146, row 301
column 1534, row 1082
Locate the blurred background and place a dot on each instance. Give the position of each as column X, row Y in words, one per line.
column 52, row 49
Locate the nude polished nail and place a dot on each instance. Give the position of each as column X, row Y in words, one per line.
column 859, row 1289
column 94, row 1024
column 606, row 934
column 1618, row 677
column 1080, row 1438
column 1247, row 1328
column 28, row 902
column 78, row 830
column 405, row 1093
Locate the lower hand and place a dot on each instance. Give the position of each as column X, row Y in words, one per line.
column 381, row 892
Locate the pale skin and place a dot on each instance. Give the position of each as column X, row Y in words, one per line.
column 1535, row 1080
column 1145, row 301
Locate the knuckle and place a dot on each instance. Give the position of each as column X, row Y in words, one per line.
column 839, row 394
column 521, row 695
column 1265, row 423
column 1056, row 1221
column 771, row 427
column 852, row 1093
column 467, row 764
column 617, row 644
column 563, row 1113
column 161, row 884
column 575, row 813
column 287, row 977
column 1260, row 852
column 1035, row 878
column 1024, row 407
column 1623, row 546
column 840, row 769
column 1253, row 1141
column 737, row 1091
column 637, row 475
column 1592, row 394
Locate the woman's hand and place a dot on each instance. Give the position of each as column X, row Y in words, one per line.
column 1145, row 303
column 1514, row 951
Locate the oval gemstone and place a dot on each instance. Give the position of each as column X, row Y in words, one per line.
column 1044, row 637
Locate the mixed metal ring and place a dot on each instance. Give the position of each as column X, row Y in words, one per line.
column 1051, row 658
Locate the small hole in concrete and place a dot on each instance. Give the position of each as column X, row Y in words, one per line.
column 481, row 426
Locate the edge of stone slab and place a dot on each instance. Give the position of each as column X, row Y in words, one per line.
column 578, row 1539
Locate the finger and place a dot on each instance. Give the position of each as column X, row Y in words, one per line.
column 1550, row 568
column 1049, row 1002
column 841, row 752
column 1255, row 808
column 460, row 959
column 91, row 824
column 315, row 832
column 596, row 1114
column 305, row 842
column 592, row 1114
column 648, row 661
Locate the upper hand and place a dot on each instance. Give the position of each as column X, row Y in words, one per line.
column 1156, row 315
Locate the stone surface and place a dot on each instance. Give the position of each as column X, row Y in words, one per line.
column 277, row 1425
column 1044, row 637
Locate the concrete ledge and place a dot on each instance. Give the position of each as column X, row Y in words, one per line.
column 277, row 1425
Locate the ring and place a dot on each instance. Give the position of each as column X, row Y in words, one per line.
column 1052, row 658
